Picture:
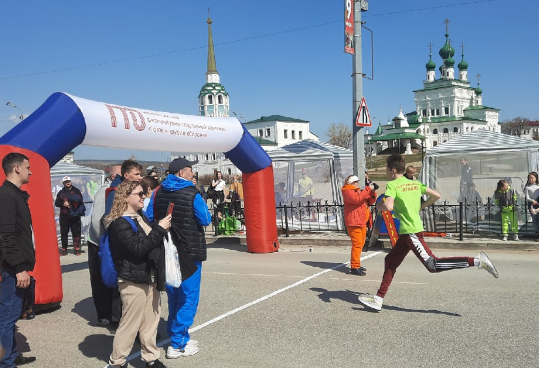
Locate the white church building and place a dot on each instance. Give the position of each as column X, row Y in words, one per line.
column 444, row 108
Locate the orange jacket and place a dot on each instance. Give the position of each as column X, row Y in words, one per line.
column 355, row 204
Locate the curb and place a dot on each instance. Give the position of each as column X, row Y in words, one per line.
column 343, row 241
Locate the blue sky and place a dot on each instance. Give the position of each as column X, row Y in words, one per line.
column 279, row 57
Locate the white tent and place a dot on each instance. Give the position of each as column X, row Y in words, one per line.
column 87, row 179
column 492, row 156
column 326, row 164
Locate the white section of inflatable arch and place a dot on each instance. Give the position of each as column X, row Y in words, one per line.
column 110, row 125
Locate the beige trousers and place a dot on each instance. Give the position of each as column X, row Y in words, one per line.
column 141, row 310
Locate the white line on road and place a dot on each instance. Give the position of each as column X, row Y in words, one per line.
column 239, row 309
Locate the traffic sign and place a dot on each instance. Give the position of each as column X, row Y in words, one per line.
column 363, row 118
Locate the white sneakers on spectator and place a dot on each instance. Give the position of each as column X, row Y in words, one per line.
column 516, row 237
column 190, row 349
column 504, row 238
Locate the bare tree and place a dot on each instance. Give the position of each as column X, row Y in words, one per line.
column 517, row 126
column 340, row 135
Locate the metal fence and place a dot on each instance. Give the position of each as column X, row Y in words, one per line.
column 442, row 217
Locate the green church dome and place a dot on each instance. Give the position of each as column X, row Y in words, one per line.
column 463, row 65
column 449, row 62
column 446, row 51
column 212, row 89
column 478, row 91
column 431, row 65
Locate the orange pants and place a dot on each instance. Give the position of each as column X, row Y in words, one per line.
column 357, row 234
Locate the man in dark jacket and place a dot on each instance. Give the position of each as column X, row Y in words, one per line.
column 17, row 254
column 189, row 216
column 71, row 205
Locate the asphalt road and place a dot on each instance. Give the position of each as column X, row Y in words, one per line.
column 297, row 308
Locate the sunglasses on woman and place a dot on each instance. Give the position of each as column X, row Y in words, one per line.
column 140, row 194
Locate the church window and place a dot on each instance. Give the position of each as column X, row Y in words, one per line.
column 229, row 171
column 268, row 132
column 220, row 99
column 455, row 130
column 446, row 110
column 427, row 130
column 434, row 144
column 467, row 129
column 446, row 130
column 300, row 135
column 196, row 157
column 435, row 131
column 210, row 99
column 431, row 112
column 260, row 133
column 207, row 157
column 213, row 156
column 437, row 112
column 293, row 134
column 424, row 112
column 285, row 133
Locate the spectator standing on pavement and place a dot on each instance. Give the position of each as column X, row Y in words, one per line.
column 17, row 253
column 235, row 194
column 200, row 187
column 218, row 185
column 506, row 198
column 148, row 183
column 189, row 217
column 139, row 260
column 71, row 205
column 402, row 197
column 101, row 294
column 410, row 173
column 531, row 191
column 305, row 185
column 355, row 218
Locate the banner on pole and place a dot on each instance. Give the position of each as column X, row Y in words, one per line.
column 363, row 118
column 349, row 26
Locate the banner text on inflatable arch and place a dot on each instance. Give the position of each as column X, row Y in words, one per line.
column 112, row 125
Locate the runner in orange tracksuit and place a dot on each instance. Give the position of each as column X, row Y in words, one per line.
column 355, row 218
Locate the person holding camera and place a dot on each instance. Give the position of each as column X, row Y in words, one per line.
column 355, row 218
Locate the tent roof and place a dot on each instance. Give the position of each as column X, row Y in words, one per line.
column 393, row 136
column 309, row 150
column 481, row 141
column 64, row 168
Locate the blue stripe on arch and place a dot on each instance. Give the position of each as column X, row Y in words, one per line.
column 52, row 131
column 248, row 155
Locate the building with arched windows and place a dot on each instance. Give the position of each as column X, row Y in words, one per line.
column 444, row 108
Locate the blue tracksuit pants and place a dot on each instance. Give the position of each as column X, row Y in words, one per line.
column 182, row 308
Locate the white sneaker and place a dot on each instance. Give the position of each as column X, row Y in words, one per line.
column 486, row 264
column 504, row 238
column 192, row 342
column 516, row 237
column 372, row 302
column 189, row 350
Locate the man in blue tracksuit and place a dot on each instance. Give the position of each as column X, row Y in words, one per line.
column 189, row 216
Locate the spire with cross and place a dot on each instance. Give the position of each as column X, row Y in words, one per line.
column 446, row 21
column 478, row 78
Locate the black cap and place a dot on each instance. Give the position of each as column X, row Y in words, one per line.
column 180, row 163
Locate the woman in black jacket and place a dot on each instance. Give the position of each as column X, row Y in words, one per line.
column 138, row 257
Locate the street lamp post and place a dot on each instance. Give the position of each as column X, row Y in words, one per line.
column 17, row 107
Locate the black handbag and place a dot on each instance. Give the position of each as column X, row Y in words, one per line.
column 210, row 192
column 29, row 301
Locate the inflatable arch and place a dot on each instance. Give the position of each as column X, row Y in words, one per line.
column 63, row 122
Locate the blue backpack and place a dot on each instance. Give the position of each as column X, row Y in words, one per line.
column 108, row 272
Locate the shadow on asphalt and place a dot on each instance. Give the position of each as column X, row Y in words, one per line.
column 327, row 266
column 74, row 267
column 97, row 346
column 22, row 341
column 228, row 243
column 85, row 308
column 345, row 295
